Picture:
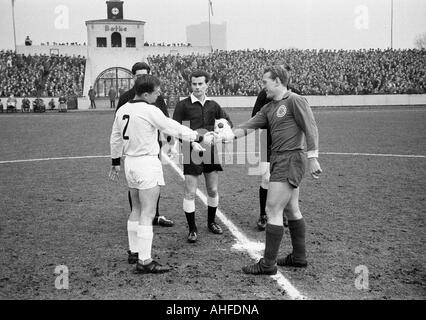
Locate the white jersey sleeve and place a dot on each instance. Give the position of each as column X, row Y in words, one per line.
column 135, row 130
column 116, row 142
column 172, row 127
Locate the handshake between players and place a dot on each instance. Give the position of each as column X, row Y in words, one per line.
column 222, row 134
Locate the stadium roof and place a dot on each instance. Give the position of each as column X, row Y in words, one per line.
column 115, row 21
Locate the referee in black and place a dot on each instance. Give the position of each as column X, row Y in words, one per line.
column 138, row 69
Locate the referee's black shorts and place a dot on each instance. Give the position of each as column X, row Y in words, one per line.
column 288, row 166
column 204, row 163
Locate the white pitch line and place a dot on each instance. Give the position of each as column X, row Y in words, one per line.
column 49, row 159
column 349, row 154
column 228, row 153
column 375, row 155
column 243, row 243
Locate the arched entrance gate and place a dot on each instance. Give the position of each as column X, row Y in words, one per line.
column 118, row 78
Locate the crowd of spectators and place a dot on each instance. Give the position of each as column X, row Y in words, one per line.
column 162, row 44
column 63, row 44
column 234, row 73
column 315, row 72
column 40, row 75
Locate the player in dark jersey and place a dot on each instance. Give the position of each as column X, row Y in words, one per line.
column 141, row 68
column 262, row 100
column 290, row 121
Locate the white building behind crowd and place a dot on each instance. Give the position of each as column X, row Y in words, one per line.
column 113, row 45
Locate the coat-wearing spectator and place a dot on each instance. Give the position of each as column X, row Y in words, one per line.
column 26, row 105
column 62, row 103
column 52, row 104
column 12, row 103
column 92, row 96
column 112, row 94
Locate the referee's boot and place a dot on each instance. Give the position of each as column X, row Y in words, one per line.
column 162, row 221
column 215, row 228
column 192, row 236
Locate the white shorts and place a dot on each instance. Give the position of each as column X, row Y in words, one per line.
column 144, row 172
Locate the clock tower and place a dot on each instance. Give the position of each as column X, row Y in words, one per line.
column 115, row 10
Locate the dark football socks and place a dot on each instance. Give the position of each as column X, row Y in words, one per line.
column 130, row 201
column 190, row 218
column 211, row 214
column 157, row 211
column 297, row 233
column 263, row 194
column 274, row 235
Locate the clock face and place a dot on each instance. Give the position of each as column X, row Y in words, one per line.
column 115, row 11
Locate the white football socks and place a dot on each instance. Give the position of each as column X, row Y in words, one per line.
column 132, row 233
column 145, row 236
column 188, row 205
column 213, row 202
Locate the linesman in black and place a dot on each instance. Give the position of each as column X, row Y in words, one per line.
column 138, row 69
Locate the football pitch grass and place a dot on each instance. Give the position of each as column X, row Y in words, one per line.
column 366, row 211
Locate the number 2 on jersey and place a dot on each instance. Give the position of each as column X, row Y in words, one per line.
column 126, row 116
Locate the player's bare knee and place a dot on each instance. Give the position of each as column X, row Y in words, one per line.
column 212, row 192
column 294, row 215
column 291, row 208
column 271, row 209
column 189, row 195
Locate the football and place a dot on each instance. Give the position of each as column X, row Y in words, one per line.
column 222, row 127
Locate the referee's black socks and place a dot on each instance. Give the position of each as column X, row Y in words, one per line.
column 263, row 195
column 190, row 218
column 157, row 211
column 130, row 201
column 211, row 214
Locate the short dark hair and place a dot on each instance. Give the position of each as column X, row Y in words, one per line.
column 140, row 66
column 281, row 71
column 146, row 84
column 199, row 73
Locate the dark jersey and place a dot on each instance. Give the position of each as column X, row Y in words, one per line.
column 289, row 121
column 262, row 100
column 200, row 117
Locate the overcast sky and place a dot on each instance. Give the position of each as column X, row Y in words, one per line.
column 269, row 24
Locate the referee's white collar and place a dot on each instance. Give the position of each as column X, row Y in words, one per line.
column 195, row 99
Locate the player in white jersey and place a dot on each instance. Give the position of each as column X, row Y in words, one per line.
column 135, row 135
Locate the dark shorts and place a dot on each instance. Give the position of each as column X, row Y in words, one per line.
column 288, row 167
column 199, row 167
